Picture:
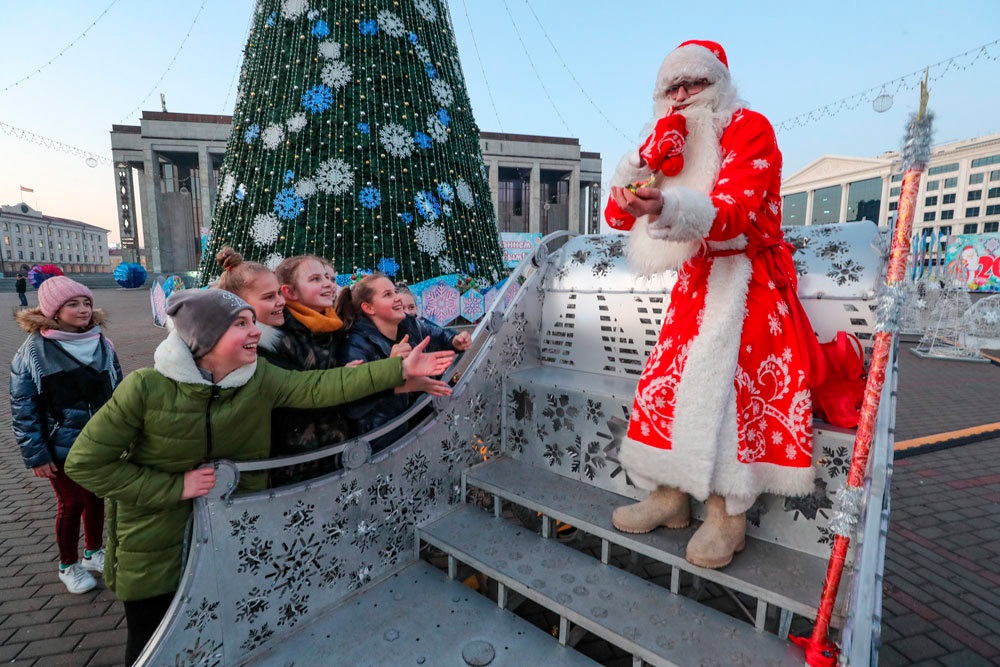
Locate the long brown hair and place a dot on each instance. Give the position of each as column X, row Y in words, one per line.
column 349, row 300
column 237, row 275
column 287, row 269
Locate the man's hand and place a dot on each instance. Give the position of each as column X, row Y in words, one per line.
column 198, row 482
column 644, row 201
column 660, row 228
column 402, row 348
column 419, row 363
column 46, row 470
column 462, row 341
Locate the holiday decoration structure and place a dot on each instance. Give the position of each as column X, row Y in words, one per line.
column 353, row 139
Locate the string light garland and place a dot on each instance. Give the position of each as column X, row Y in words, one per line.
column 877, row 94
column 61, row 52
column 92, row 159
column 353, row 139
column 169, row 65
column 236, row 70
column 482, row 68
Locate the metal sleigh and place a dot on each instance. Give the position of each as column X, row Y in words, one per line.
column 329, row 572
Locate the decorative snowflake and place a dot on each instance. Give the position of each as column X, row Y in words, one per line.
column 464, row 192
column 293, row 9
column 560, row 411
column 429, row 239
column 287, row 204
column 265, row 229
column 427, row 205
column 472, row 267
column 300, row 517
column 273, row 136
column 811, row 505
column 254, row 555
column 446, row 209
column 422, row 53
column 443, row 116
column 760, row 164
column 363, row 128
column 446, row 192
column 202, row 615
column 320, row 29
column 415, row 468
column 227, row 188
column 317, row 99
column 437, row 129
column 594, row 411
column 413, row 38
column 446, row 265
column 336, row 74
column 257, row 637
column 553, row 454
column 241, row 192
column 391, row 24
column 426, row 9
column 396, row 140
column 289, row 176
column 251, row 133
column 430, row 70
column 423, row 140
column 516, row 440
column 273, row 260
column 370, row 197
column 251, row 605
column 329, row 49
column 847, row 271
column 442, row 93
column 389, row 266
column 293, row 610
column 305, row 188
column 296, row 122
column 272, row 18
column 334, row 176
column 406, row 218
column 369, row 27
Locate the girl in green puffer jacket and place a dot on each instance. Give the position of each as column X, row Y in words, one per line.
column 207, row 397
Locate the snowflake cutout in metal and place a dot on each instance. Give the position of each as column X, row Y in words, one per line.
column 200, row 616
column 365, row 534
column 811, row 505
column 516, row 440
column 522, row 404
column 756, row 511
column 836, row 461
column 243, row 524
column 201, row 654
column 560, row 412
column 553, row 454
column 380, row 489
column 296, row 565
column 257, row 637
column 588, row 458
column 415, row 467
column 290, row 612
column 333, row 530
column 252, row 605
column 832, row 249
column 602, row 268
column 332, row 573
column 299, row 517
column 361, row 576
column 594, row 411
column 255, row 555
column 350, row 495
column 847, row 271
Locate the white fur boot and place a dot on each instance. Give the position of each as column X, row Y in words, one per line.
column 721, row 536
column 665, row 506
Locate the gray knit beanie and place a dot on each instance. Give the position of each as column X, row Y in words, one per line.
column 201, row 316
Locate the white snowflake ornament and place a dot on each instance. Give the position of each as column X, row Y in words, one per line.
column 442, row 92
column 396, row 140
column 273, row 136
column 336, row 74
column 329, row 49
column 265, row 229
column 334, row 177
column 296, row 123
column 464, row 192
column 429, row 239
column 390, row 24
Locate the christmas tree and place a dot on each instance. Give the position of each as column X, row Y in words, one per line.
column 353, row 139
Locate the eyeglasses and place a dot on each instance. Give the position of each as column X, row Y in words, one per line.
column 692, row 87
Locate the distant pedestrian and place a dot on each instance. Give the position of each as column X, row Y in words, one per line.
column 21, row 286
column 61, row 375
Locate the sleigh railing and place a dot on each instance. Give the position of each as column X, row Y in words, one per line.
column 290, row 575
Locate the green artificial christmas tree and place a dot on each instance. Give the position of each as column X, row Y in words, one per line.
column 353, row 139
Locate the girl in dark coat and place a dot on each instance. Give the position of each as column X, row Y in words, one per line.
column 59, row 377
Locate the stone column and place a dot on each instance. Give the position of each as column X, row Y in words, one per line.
column 207, row 191
column 845, row 189
column 127, row 219
column 883, row 209
column 574, row 203
column 535, row 204
column 810, row 194
column 150, row 219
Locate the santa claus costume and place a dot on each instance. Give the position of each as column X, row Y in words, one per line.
column 723, row 409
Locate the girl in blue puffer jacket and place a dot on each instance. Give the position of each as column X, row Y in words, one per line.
column 61, row 375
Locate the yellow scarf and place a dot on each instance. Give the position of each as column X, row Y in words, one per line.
column 315, row 321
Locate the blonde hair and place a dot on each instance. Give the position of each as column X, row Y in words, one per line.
column 348, row 305
column 287, row 269
column 237, row 275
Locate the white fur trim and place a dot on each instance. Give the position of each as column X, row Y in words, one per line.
column 694, row 216
column 269, row 337
column 630, row 169
column 651, row 256
column 173, row 359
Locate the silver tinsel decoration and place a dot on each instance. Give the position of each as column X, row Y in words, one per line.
column 889, row 310
column 846, row 511
column 916, row 150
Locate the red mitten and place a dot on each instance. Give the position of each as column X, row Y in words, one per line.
column 663, row 149
column 617, row 217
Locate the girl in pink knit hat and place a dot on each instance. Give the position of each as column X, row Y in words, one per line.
column 60, row 376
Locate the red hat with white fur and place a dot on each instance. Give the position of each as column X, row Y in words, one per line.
column 692, row 60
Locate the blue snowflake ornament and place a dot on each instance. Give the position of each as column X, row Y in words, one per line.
column 369, row 27
column 423, row 139
column 241, row 192
column 251, row 133
column 446, row 192
column 472, row 267
column 444, row 117
column 363, row 128
column 320, row 29
column 407, row 218
column 389, row 266
column 289, row 175
column 427, row 205
column 287, row 204
column 431, row 71
column 370, row 197
column 412, row 37
column 272, row 18
column 317, row 99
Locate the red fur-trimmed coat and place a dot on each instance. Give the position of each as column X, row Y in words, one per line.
column 723, row 405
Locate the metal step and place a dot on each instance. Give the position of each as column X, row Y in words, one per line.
column 771, row 573
column 644, row 619
column 419, row 617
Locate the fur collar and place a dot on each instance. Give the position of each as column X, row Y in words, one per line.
column 32, row 320
column 270, row 337
column 173, row 359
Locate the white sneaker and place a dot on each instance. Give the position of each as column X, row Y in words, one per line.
column 77, row 579
column 95, row 563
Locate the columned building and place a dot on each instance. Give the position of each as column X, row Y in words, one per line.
column 539, row 184
column 30, row 237
column 959, row 192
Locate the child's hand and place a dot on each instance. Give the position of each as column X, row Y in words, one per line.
column 402, row 348
column 462, row 341
column 198, row 482
column 425, row 384
column 46, row 470
column 420, row 363
column 355, row 363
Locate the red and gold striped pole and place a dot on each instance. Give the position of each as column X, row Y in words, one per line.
column 820, row 651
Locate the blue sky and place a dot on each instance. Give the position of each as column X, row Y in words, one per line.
column 786, row 57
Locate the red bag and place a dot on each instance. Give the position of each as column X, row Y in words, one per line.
column 838, row 399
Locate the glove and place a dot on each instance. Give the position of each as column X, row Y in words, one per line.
column 662, row 227
column 663, row 149
column 617, row 217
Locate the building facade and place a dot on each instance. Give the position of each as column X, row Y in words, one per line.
column 30, row 237
column 539, row 184
column 959, row 192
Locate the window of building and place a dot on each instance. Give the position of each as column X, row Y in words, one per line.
column 826, row 205
column 970, row 228
column 943, row 169
column 78, row 258
column 994, row 176
column 894, row 192
column 993, row 210
column 896, row 178
column 19, row 241
column 864, row 200
column 989, row 227
column 793, row 209
column 948, row 199
column 927, row 231
column 20, row 254
column 5, row 228
column 933, row 185
column 976, row 179
column 951, row 182
column 60, row 257
column 948, row 215
column 993, row 193
column 17, row 228
column 972, row 212
column 984, row 161
column 50, row 244
column 929, row 216
column 43, row 256
column 931, row 201
column 8, row 254
column 893, row 205
column 945, row 230
column 6, row 240
column 31, row 255
column 974, row 195
column 41, row 243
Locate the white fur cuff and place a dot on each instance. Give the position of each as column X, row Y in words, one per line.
column 694, row 214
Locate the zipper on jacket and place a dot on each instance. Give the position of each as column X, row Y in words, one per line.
column 208, row 421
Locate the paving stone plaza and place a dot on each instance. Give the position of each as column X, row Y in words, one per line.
column 942, row 572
